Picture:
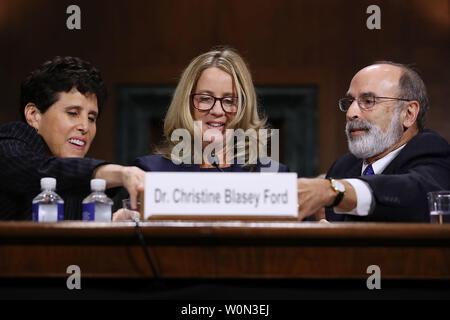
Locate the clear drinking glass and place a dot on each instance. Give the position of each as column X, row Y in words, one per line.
column 127, row 206
column 439, row 205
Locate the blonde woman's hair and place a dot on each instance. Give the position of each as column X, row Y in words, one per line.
column 179, row 114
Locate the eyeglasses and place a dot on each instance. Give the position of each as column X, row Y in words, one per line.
column 365, row 102
column 205, row 102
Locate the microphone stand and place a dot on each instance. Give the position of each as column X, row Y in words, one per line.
column 214, row 161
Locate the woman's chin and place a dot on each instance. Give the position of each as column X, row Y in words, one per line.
column 211, row 135
column 72, row 154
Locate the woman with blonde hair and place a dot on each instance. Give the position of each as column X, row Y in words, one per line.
column 213, row 104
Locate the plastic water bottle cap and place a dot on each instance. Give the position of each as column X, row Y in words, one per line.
column 48, row 183
column 98, row 185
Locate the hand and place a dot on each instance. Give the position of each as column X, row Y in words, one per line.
column 133, row 179
column 313, row 195
column 319, row 215
column 125, row 215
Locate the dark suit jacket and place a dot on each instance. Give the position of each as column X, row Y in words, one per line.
column 157, row 162
column 400, row 191
column 24, row 160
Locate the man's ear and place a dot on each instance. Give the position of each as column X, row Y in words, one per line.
column 410, row 114
column 32, row 115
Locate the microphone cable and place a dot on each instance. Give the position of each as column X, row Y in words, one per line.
column 140, row 236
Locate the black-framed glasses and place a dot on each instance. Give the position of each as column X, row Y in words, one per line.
column 205, row 102
column 365, row 102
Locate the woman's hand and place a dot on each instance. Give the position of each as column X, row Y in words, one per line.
column 131, row 178
column 125, row 215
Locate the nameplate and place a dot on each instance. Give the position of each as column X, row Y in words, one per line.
column 223, row 194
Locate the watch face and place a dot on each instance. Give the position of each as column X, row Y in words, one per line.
column 339, row 186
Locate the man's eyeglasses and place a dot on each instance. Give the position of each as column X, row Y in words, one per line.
column 205, row 102
column 365, row 102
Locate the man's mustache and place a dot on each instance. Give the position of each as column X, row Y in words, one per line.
column 357, row 125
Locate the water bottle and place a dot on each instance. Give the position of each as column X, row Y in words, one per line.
column 48, row 206
column 97, row 206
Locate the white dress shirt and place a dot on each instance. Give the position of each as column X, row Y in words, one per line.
column 364, row 196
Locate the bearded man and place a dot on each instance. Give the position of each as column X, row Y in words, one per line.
column 393, row 161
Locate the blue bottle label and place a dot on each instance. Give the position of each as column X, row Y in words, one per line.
column 89, row 211
column 35, row 211
column 60, row 211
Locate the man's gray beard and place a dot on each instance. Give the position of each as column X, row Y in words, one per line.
column 374, row 141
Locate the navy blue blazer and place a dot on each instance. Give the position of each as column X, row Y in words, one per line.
column 400, row 191
column 24, row 160
column 157, row 162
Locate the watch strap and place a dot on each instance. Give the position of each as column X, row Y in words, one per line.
column 339, row 196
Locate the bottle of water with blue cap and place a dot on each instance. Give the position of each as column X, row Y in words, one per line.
column 97, row 206
column 48, row 206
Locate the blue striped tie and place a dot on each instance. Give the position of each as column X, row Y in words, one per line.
column 368, row 171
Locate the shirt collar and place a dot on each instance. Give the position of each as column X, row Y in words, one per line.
column 381, row 164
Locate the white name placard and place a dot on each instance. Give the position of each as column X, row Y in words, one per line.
column 220, row 194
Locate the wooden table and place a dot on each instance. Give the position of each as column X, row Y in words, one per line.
column 225, row 250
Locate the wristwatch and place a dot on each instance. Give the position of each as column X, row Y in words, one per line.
column 339, row 188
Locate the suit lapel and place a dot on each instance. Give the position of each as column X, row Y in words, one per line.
column 355, row 170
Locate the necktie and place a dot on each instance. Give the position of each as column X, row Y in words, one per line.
column 368, row 171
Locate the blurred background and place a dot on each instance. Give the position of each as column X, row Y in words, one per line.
column 302, row 55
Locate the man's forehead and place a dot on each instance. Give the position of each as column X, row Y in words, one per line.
column 378, row 78
column 383, row 68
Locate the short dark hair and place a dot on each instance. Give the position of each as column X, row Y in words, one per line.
column 412, row 87
column 43, row 85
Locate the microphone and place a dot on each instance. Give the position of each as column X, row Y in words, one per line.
column 212, row 158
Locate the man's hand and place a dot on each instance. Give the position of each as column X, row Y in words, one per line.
column 313, row 195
